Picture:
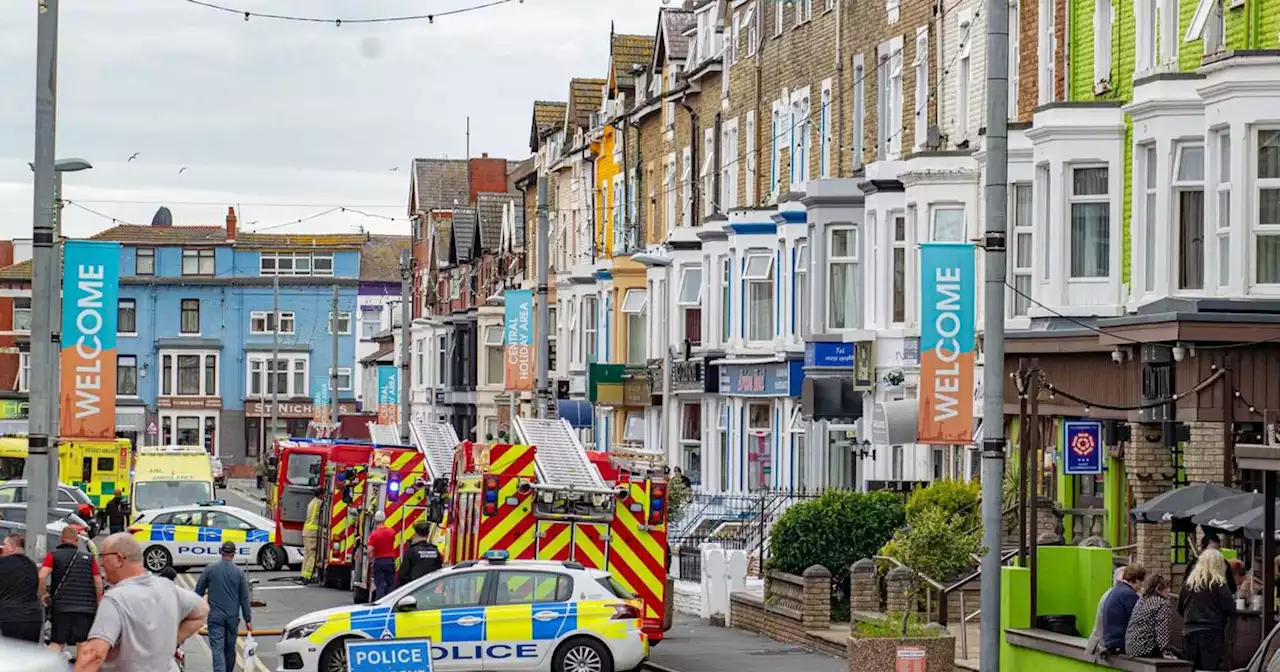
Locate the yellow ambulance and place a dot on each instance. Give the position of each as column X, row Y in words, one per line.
column 100, row 469
column 171, row 476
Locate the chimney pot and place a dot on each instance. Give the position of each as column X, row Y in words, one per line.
column 484, row 155
column 231, row 223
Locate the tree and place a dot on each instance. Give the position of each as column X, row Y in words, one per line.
column 936, row 544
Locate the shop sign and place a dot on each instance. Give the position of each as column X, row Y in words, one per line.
column 777, row 379
column 829, row 355
column 688, row 376
column 1083, row 447
column 292, row 409
column 911, row 350
column 14, row 409
column 189, row 402
column 893, row 423
column 518, row 339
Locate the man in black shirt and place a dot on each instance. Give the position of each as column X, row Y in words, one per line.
column 75, row 586
column 421, row 557
column 116, row 510
column 20, row 614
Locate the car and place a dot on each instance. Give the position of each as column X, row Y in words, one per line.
column 189, row 536
column 528, row 615
column 219, row 474
column 53, row 531
column 69, row 497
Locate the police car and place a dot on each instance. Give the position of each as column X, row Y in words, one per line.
column 189, row 536
column 490, row 614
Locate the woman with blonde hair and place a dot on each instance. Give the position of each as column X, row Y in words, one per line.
column 1205, row 604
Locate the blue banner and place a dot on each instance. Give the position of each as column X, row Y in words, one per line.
column 947, row 340
column 1082, row 447
column 91, row 291
column 320, row 400
column 388, row 394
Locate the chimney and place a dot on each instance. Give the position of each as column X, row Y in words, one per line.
column 484, row 155
column 231, row 224
column 6, row 253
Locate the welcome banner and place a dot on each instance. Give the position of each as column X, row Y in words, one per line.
column 518, row 339
column 947, row 342
column 90, row 294
column 388, row 395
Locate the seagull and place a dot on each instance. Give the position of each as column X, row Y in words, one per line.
column 394, row 169
column 183, row 169
column 133, row 156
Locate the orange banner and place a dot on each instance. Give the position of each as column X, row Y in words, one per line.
column 91, row 290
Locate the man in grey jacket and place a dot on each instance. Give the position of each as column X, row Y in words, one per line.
column 227, row 588
column 1094, row 646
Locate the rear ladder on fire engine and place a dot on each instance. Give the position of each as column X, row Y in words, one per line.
column 436, row 441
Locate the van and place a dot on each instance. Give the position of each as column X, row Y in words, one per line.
column 98, row 468
column 171, row 476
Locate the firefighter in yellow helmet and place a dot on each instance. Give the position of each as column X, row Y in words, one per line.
column 311, row 536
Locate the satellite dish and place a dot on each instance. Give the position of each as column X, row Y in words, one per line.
column 162, row 217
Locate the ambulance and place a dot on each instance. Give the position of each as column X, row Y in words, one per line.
column 170, row 476
column 98, row 468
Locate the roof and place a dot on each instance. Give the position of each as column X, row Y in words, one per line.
column 380, row 260
column 438, row 184
column 294, row 241
column 585, row 96
column 521, row 172
column 672, row 23
column 627, row 51
column 18, row 271
column 385, row 352
column 464, row 233
column 490, row 207
column 548, row 116
column 159, row 235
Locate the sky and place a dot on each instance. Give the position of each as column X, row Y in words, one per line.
column 283, row 119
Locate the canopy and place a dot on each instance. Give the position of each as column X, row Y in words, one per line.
column 1248, row 524
column 1218, row 511
column 578, row 412
column 1169, row 505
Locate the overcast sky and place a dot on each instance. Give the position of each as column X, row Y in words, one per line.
column 273, row 112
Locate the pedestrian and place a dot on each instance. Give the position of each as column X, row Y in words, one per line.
column 1148, row 633
column 75, row 589
column 20, row 614
column 311, row 536
column 115, row 515
column 678, row 475
column 421, row 557
column 1118, row 608
column 1093, row 646
column 1210, row 541
column 382, row 545
column 227, row 588
column 141, row 619
column 1206, row 604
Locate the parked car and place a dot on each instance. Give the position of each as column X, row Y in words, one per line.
column 53, row 531
column 70, row 498
column 219, row 474
column 24, row 657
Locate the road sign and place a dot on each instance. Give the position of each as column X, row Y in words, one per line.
column 388, row 655
column 152, row 429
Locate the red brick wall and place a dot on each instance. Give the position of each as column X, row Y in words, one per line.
column 8, row 343
column 488, row 175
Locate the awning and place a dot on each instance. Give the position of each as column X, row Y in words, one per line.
column 832, row 399
column 578, row 412
column 13, row 427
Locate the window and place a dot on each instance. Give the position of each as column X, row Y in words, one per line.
column 127, row 375
column 804, row 11
column 686, row 187
column 895, row 103
column 190, row 322
column 842, row 278
column 859, row 108
column 708, row 172
column 734, row 35
column 891, row 10
column 521, row 587
column 752, row 172
column 1266, row 226
column 455, row 590
column 896, row 464
column 24, row 372
column 689, row 298
column 691, row 441
column 964, row 77
column 1207, row 22
column 1167, row 21
column 1102, row 20
column 1046, row 52
column 495, row 362
column 802, row 291
column 948, row 224
column 726, row 300
column 589, row 322
column 197, row 262
column 633, row 306
column 344, row 378
column 1146, row 35
column 1223, row 190
column 370, row 325
column 22, row 313
column 825, row 132
column 344, row 323
column 296, row 263
column 830, row 5
column 669, row 191
column 183, row 372
column 759, row 428
column 670, row 107
column 265, row 322
column 1023, row 253
column 189, row 374
column 144, row 261
column 1188, row 195
column 922, row 87
column 1149, row 190
column 777, row 23
column 633, row 428
column 753, row 30
column 1090, row 223
column 899, row 269
column 1045, row 210
column 801, row 123
column 1015, row 57
column 729, row 166
column 419, row 362
column 286, row 376
column 757, row 275
column 126, row 316
column 775, row 152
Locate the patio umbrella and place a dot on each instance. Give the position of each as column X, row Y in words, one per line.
column 1218, row 511
column 1247, row 525
column 1166, row 506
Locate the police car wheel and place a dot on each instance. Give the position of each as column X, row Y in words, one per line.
column 271, row 558
column 334, row 656
column 157, row 558
column 581, row 654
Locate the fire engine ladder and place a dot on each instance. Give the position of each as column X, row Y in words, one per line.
column 385, row 435
column 560, row 460
column 436, row 441
column 638, row 460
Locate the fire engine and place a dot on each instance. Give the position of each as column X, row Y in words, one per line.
column 545, row 498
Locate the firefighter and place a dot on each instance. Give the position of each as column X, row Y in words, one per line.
column 421, row 557
column 382, row 547
column 311, row 536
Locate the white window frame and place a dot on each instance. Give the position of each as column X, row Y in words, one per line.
column 921, row 65
column 833, row 260
column 590, row 328
column 1045, row 54
column 1021, row 240
column 892, row 11
column 896, row 58
column 1208, row 23
column 778, row 18
column 1103, row 20
column 775, row 150
column 1222, row 203
column 708, row 172
column 825, row 130
column 296, row 260
column 690, row 279
column 753, row 30
column 296, row 371
column 1146, row 159
column 1044, row 211
column 344, row 318
column 804, row 11
column 830, row 5
column 964, row 75
column 725, row 265
column 1146, row 35
column 1073, row 200
column 729, row 166
column 759, row 276
column 859, row 108
column 900, row 237
column 686, row 187
column 490, row 343
column 1167, row 25
column 734, row 34
column 1015, row 55
column 204, row 260
column 149, row 253
column 1257, row 229
column 803, row 290
column 23, row 383
column 948, row 208
column 18, row 312
column 669, row 192
column 263, row 322
column 749, row 191
column 1180, row 186
column 634, row 303
column 170, row 370
column 343, row 371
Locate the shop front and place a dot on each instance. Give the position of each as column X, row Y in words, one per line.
column 190, row 421
column 837, row 376
column 760, row 444
column 694, row 384
column 293, row 419
column 13, row 416
column 621, row 395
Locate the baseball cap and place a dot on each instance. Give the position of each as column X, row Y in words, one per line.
column 228, row 548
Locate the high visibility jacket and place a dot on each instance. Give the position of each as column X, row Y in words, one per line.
column 313, row 517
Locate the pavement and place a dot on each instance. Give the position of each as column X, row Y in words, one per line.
column 693, row 646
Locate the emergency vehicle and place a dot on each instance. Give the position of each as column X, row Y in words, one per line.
column 492, row 614
column 190, row 536
column 545, row 499
column 98, row 468
column 170, row 476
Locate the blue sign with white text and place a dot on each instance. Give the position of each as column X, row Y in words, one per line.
column 829, row 354
column 1082, row 447
column 388, row 655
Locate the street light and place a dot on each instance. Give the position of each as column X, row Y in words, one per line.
column 71, row 165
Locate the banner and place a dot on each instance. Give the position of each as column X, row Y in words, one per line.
column 518, row 339
column 1082, row 447
column 320, row 401
column 90, row 296
column 388, row 395
column 947, row 343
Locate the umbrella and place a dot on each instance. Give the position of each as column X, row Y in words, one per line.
column 1218, row 511
column 1248, row 524
column 1166, row 506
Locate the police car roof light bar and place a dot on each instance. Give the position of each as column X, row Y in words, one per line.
column 496, row 556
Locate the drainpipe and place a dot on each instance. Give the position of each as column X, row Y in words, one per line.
column 693, row 158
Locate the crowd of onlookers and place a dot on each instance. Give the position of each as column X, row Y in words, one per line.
column 1134, row 617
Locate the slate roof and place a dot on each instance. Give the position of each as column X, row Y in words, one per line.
column 380, row 259
column 627, row 51
column 297, row 241
column 585, row 96
column 673, row 23
column 489, row 207
column 439, row 184
column 464, row 233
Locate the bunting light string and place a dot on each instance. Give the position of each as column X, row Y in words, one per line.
column 338, row 22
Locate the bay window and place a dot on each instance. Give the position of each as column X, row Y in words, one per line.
column 802, row 291
column 1223, row 191
column 842, row 278
column 899, row 270
column 187, row 373
column 948, row 224
column 286, row 376
column 689, row 299
column 1090, row 222
column 495, row 362
column 757, row 275
column 633, row 307
column 1188, row 195
column 1022, row 252
column 1266, row 223
column 589, row 322
column 1150, row 187
column 691, row 441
